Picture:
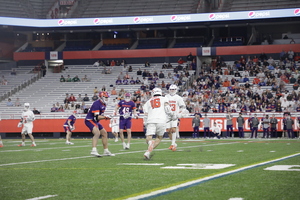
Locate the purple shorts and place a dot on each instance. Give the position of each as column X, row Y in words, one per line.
column 125, row 124
column 92, row 123
column 67, row 128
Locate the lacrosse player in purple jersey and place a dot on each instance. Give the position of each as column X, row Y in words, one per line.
column 69, row 126
column 126, row 108
column 94, row 115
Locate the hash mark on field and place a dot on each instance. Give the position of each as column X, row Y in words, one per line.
column 43, row 197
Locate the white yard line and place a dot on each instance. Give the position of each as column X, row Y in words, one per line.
column 126, row 152
column 43, row 197
column 202, row 180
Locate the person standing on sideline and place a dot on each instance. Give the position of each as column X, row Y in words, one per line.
column 1, row 143
column 94, row 115
column 265, row 121
column 240, row 122
column 157, row 111
column 289, row 126
column 206, row 126
column 274, row 122
column 229, row 125
column 284, row 130
column 69, row 126
column 177, row 104
column 255, row 123
column 196, row 125
column 27, row 123
column 126, row 108
column 216, row 131
column 114, row 124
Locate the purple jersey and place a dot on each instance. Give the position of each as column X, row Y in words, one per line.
column 98, row 107
column 71, row 119
column 126, row 108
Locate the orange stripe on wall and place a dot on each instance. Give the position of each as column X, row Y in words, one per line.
column 29, row 56
column 56, row 125
column 256, row 49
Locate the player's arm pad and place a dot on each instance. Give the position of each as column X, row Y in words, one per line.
column 96, row 118
column 145, row 120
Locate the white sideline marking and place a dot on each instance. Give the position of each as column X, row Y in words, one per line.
column 127, row 152
column 43, row 197
column 155, row 164
column 201, row 180
column 236, row 198
column 284, row 168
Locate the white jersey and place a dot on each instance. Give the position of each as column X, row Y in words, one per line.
column 27, row 117
column 155, row 107
column 114, row 122
column 175, row 102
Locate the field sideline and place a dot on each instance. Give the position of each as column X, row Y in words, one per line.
column 199, row 169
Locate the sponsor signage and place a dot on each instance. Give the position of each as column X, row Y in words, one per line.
column 155, row 19
column 53, row 55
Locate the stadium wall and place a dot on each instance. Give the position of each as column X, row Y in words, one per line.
column 154, row 55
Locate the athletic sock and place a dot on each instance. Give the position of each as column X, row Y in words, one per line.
column 173, row 138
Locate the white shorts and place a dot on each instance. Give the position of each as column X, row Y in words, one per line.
column 115, row 129
column 156, row 129
column 27, row 129
column 171, row 124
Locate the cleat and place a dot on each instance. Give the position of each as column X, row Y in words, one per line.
column 107, row 153
column 127, row 146
column 171, row 147
column 69, row 143
column 21, row 145
column 1, row 145
column 174, row 147
column 124, row 146
column 116, row 140
column 95, row 153
column 147, row 155
column 33, row 145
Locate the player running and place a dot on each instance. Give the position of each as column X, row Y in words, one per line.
column 69, row 126
column 126, row 108
column 157, row 111
column 27, row 123
column 114, row 124
column 94, row 115
column 177, row 106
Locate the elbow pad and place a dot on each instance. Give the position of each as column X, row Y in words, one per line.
column 96, row 118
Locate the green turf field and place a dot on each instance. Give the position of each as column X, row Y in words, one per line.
column 53, row 170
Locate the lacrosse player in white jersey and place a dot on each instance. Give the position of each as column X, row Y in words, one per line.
column 177, row 106
column 156, row 113
column 27, row 123
column 114, row 125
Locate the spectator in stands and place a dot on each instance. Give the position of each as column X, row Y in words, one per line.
column 76, row 79
column 72, row 106
column 246, row 79
column 9, row 102
column 130, row 69
column 123, row 63
column 35, row 111
column 147, row 64
column 17, row 102
column 13, row 72
column 291, row 55
column 96, row 64
column 125, row 81
column 189, row 59
column 145, row 73
column 119, row 82
column 127, row 76
column 86, row 98
column 180, row 61
column 113, row 91
column 112, row 63
column 139, row 72
column 68, row 79
column 96, row 90
column 54, row 108
column 43, row 69
column 3, row 81
column 66, row 106
column 62, row 79
column 72, row 98
column 79, row 98
column 85, row 79
column 104, row 71
column 60, row 109
column 263, row 57
column 143, row 87
column 132, row 81
column 292, row 79
column 107, row 63
column 137, row 81
column 83, row 107
column 161, row 75
column 103, row 89
column 95, row 96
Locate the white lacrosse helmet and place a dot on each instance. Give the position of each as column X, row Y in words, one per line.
column 173, row 89
column 75, row 113
column 26, row 106
column 156, row 92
